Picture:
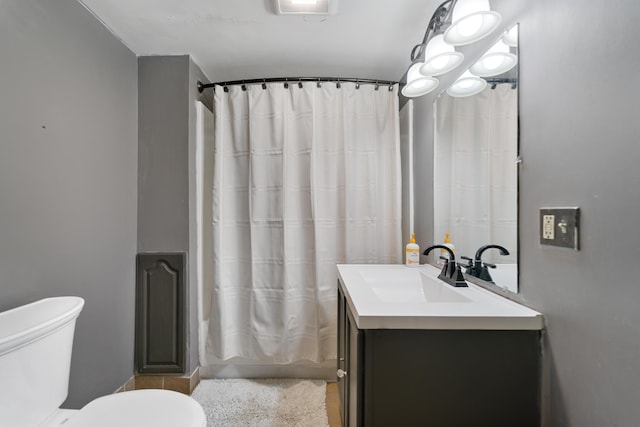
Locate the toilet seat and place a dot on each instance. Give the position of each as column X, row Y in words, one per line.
column 141, row 408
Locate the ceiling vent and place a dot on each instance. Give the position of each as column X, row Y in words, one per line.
column 305, row 7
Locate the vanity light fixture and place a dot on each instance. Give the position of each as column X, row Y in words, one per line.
column 472, row 20
column 497, row 60
column 433, row 56
column 440, row 57
column 305, row 7
column 454, row 23
column 418, row 84
column 466, row 85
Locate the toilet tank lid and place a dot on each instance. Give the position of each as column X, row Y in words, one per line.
column 27, row 323
column 140, row 408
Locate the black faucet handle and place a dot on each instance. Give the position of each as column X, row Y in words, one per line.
column 445, row 265
column 469, row 262
column 487, row 264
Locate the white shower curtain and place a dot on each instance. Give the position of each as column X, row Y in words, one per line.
column 304, row 179
column 475, row 171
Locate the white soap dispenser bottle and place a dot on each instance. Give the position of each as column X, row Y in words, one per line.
column 443, row 252
column 412, row 252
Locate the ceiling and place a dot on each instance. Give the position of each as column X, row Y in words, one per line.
column 243, row 39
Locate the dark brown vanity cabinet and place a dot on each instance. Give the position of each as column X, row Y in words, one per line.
column 440, row 378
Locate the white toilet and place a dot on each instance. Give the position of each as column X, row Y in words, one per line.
column 35, row 356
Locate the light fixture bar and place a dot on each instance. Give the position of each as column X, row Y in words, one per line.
column 440, row 18
column 457, row 23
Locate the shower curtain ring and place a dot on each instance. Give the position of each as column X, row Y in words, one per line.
column 225, row 88
column 338, row 84
column 318, row 84
column 300, row 83
column 286, row 84
column 243, row 86
column 264, row 84
column 357, row 84
column 377, row 85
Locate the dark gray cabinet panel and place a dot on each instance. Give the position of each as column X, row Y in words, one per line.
column 160, row 313
column 398, row 377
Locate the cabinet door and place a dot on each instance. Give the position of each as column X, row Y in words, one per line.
column 160, row 345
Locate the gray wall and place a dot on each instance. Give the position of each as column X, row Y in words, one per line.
column 163, row 180
column 579, row 95
column 68, row 167
column 579, row 99
column 167, row 158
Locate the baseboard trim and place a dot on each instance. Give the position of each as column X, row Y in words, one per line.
column 183, row 384
column 323, row 371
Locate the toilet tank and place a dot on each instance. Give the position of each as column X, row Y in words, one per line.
column 35, row 356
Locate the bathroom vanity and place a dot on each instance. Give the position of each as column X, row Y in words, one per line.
column 414, row 351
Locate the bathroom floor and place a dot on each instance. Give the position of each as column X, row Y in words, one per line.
column 333, row 405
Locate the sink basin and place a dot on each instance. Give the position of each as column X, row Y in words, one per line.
column 409, row 286
column 395, row 296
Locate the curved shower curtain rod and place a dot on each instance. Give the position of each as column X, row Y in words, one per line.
column 493, row 81
column 298, row 80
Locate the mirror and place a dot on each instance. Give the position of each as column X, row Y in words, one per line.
column 476, row 170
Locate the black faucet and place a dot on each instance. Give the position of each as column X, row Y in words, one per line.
column 451, row 272
column 477, row 268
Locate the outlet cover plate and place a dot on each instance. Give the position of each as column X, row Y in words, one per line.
column 560, row 227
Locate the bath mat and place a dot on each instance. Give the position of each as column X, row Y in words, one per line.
column 263, row 403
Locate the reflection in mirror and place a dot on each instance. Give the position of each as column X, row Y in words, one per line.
column 476, row 171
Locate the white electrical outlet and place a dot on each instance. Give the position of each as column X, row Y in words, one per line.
column 548, row 227
column 560, row 227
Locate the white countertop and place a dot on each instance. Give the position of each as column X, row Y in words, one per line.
column 401, row 297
